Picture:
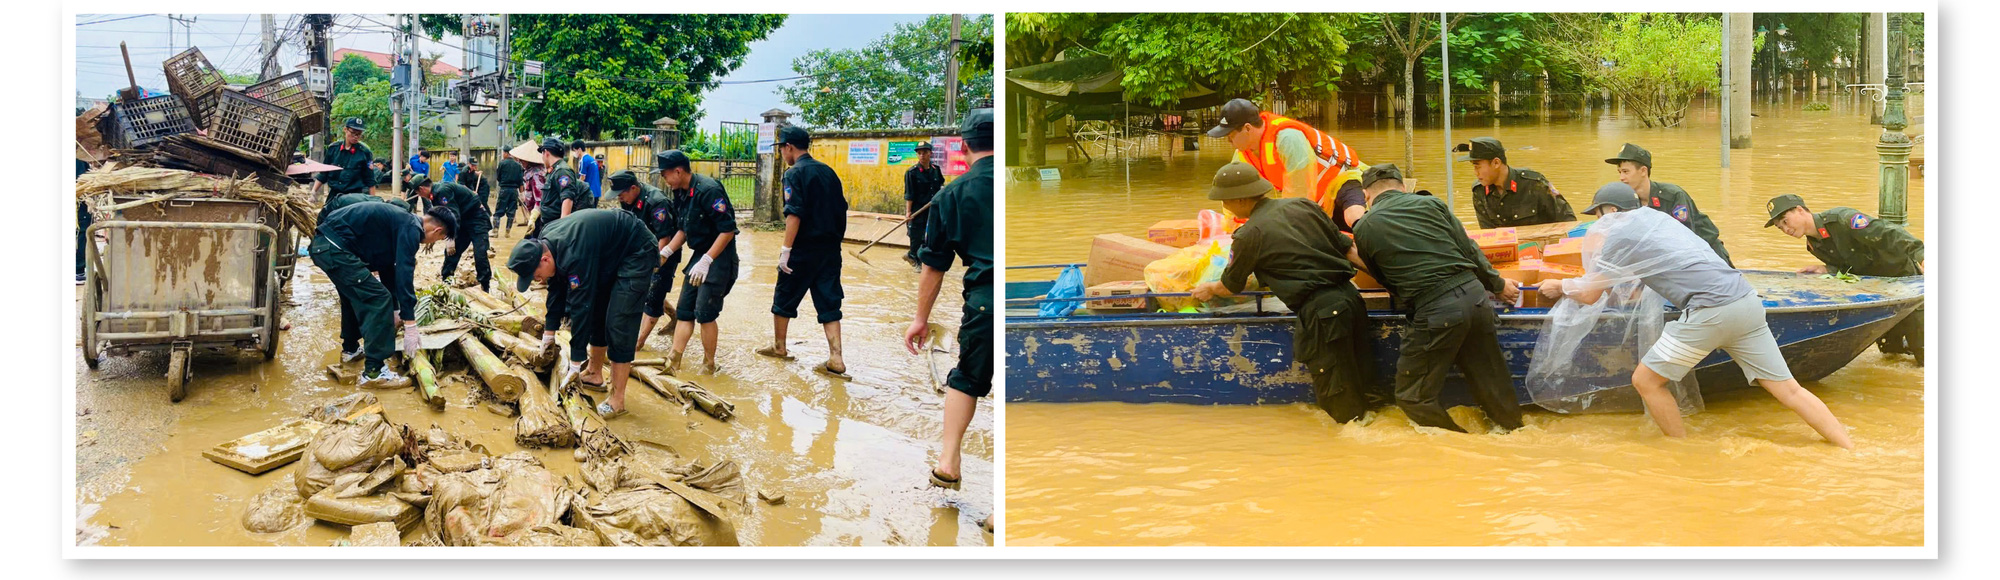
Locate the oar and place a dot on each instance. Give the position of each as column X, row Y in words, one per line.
column 885, row 233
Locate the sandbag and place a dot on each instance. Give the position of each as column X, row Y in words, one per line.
column 501, row 505
column 276, row 509
column 340, row 408
column 653, row 516
column 354, row 511
column 347, row 447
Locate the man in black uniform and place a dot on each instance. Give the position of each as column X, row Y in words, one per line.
column 1412, row 244
column 1507, row 197
column 417, row 193
column 596, row 263
column 473, row 223
column 566, row 193
column 657, row 210
column 919, row 184
column 510, row 176
column 1850, row 242
column 815, row 223
column 1635, row 168
column 961, row 225
column 376, row 237
column 352, row 157
column 83, row 222
column 1297, row 251
column 708, row 230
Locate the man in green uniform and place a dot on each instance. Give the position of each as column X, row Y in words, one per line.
column 815, row 223
column 708, row 230
column 567, row 193
column 473, row 223
column 656, row 209
column 352, row 157
column 376, row 237
column 1508, row 197
column 1296, row 250
column 920, row 184
column 596, row 263
column 1850, row 242
column 961, row 226
column 1412, row 244
column 1635, row 168
column 509, row 175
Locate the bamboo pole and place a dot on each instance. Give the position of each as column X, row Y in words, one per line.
column 425, row 379
column 543, row 422
column 527, row 352
column 500, row 380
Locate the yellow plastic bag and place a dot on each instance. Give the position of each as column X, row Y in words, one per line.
column 1184, row 269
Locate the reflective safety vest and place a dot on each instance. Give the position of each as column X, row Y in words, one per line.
column 1333, row 157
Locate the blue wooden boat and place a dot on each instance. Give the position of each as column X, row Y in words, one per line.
column 1246, row 359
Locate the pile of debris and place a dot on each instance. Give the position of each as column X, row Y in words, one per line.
column 204, row 125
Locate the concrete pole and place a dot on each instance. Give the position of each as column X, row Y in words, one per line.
column 465, row 103
column 951, row 75
column 506, row 124
column 416, row 87
column 1444, row 45
column 1894, row 147
column 268, row 48
column 1722, row 112
column 770, row 202
column 1739, row 37
column 1874, row 44
column 398, row 161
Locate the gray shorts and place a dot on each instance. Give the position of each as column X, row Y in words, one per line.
column 1737, row 328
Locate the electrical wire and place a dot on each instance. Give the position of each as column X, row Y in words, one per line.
column 114, row 19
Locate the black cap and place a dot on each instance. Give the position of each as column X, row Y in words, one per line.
column 1235, row 113
column 526, row 258
column 355, row 124
column 670, row 159
column 419, row 180
column 977, row 129
column 1781, row 204
column 1635, row 154
column 1615, row 194
column 795, row 136
column 623, row 180
column 553, row 145
column 1380, row 172
column 1238, row 180
column 924, row 146
column 1481, row 148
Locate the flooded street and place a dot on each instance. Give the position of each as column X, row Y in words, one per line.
column 1749, row 473
column 850, row 458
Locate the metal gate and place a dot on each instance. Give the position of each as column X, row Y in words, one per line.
column 729, row 155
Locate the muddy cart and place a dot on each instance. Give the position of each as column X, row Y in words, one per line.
column 181, row 274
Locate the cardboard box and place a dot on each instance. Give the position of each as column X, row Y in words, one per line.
column 1365, row 282
column 1119, row 257
column 1499, row 244
column 1568, row 252
column 1176, row 233
column 1121, row 288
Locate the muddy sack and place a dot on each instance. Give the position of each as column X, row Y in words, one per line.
column 274, row 510
column 359, row 446
column 501, row 505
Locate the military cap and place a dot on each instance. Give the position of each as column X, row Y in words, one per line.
column 1781, row 204
column 1615, row 194
column 526, row 258
column 795, row 136
column 1481, row 148
column 977, row 128
column 1380, row 172
column 553, row 145
column 419, row 180
column 355, row 124
column 670, row 159
column 1238, row 180
column 924, row 146
column 1635, row 154
column 623, row 180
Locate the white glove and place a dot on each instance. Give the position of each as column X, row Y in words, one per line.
column 785, row 259
column 411, row 340
column 548, row 340
column 665, row 251
column 573, row 370
column 699, row 271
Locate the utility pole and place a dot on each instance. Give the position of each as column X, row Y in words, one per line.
column 398, row 162
column 1894, row 147
column 951, row 74
column 415, row 90
column 1874, row 48
column 268, row 48
column 1444, row 82
column 465, row 100
column 506, row 88
column 317, row 52
column 1741, row 50
column 1722, row 113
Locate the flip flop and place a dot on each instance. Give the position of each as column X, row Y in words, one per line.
column 828, row 371
column 939, row 480
column 773, row 353
column 590, row 386
column 605, row 411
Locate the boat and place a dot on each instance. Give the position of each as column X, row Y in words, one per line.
column 1246, row 358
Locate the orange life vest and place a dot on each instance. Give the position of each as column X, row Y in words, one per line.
column 1331, row 155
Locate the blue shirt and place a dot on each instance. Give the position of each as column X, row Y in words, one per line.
column 450, row 171
column 592, row 174
column 418, row 166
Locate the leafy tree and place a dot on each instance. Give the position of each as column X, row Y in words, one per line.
column 1655, row 62
column 370, row 102
column 1410, row 45
column 1501, row 47
column 609, row 71
column 240, row 79
column 1167, row 55
column 902, row 71
column 355, row 70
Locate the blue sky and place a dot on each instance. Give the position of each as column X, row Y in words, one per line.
column 230, row 41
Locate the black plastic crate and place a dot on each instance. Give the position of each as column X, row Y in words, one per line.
column 265, row 130
column 197, row 82
column 290, row 91
column 148, row 121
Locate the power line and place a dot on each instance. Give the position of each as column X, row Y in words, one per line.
column 114, row 20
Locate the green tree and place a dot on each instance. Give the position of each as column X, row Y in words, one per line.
column 1655, row 62
column 370, row 102
column 1410, row 34
column 355, row 70
column 239, row 79
column 1167, row 55
column 609, row 71
column 903, row 70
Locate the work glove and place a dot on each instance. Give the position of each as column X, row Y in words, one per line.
column 548, row 340
column 411, row 340
column 698, row 273
column 574, row 370
column 785, row 259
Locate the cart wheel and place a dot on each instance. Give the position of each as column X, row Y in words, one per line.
column 177, row 375
column 90, row 303
column 271, row 335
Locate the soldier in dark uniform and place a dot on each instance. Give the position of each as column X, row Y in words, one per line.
column 708, row 230
column 376, row 237
column 656, row 209
column 347, row 199
column 566, row 193
column 352, row 157
column 510, row 175
column 1507, row 197
column 473, row 223
column 961, row 226
column 1635, row 168
column 1412, row 244
column 596, row 263
column 1296, row 250
column 83, row 222
column 1851, row 242
column 815, row 223
column 417, row 193
column 920, row 182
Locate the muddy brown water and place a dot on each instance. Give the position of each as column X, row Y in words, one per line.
column 851, row 458
column 1750, row 473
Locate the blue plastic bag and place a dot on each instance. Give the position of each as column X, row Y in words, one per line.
column 1069, row 284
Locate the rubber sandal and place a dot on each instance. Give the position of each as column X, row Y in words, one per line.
column 590, row 386
column 824, row 369
column 773, row 353
column 605, row 411
column 939, row 480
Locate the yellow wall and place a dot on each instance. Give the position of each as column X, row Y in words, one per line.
column 877, row 187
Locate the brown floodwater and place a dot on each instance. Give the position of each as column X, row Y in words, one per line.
column 851, row 458
column 1749, row 473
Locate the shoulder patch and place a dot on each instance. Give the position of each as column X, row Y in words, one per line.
column 562, row 181
column 1860, row 220
column 659, row 214
column 1681, row 212
column 721, row 205
column 788, row 192
column 575, row 281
